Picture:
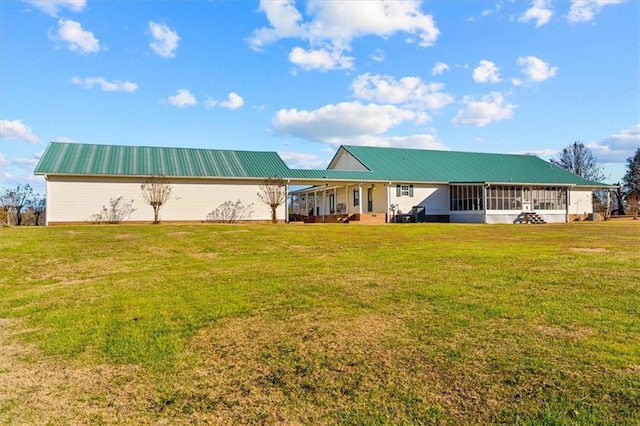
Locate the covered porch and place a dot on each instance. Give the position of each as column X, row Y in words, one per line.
column 339, row 202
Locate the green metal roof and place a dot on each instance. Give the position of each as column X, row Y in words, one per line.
column 415, row 165
column 329, row 174
column 383, row 164
column 84, row 159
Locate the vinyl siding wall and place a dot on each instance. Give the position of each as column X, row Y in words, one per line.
column 77, row 199
column 346, row 161
column 434, row 199
column 580, row 202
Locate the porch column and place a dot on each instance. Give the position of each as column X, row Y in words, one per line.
column 286, row 205
column 484, row 200
column 388, row 218
column 346, row 199
column 324, row 191
column 360, row 199
column 335, row 201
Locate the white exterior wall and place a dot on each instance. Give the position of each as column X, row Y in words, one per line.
column 345, row 161
column 434, row 199
column 77, row 199
column 580, row 202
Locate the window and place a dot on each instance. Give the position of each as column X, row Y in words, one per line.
column 404, row 190
column 356, row 197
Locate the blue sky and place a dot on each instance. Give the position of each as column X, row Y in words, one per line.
column 301, row 78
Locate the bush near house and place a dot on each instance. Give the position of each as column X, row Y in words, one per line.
column 393, row 324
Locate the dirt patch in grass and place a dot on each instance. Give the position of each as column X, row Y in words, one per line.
column 564, row 334
column 35, row 389
column 313, row 370
column 589, row 249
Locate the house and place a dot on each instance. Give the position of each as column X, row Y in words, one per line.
column 366, row 184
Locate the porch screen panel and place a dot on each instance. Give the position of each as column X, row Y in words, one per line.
column 465, row 197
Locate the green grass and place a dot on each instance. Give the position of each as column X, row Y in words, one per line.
column 395, row 324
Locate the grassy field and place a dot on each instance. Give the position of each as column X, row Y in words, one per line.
column 347, row 324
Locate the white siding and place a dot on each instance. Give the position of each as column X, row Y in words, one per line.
column 77, row 199
column 434, row 199
column 346, row 161
column 580, row 202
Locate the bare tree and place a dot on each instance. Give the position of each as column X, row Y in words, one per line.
column 15, row 200
column 631, row 181
column 117, row 211
column 619, row 199
column 579, row 159
column 273, row 192
column 156, row 192
column 634, row 204
column 38, row 206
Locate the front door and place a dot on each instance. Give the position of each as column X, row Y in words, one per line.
column 370, row 199
column 526, row 199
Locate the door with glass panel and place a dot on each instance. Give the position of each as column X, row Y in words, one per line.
column 526, row 198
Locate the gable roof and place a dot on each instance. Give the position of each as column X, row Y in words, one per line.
column 84, row 159
column 416, row 165
column 380, row 164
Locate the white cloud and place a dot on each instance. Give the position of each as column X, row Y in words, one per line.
column 586, row 10
column 342, row 122
column 542, row 153
column 516, row 82
column 486, row 12
column 15, row 129
column 618, row 147
column 234, row 101
column 481, row 112
column 25, row 161
column 164, row 41
column 536, row 69
column 540, row 11
column 486, row 72
column 182, row 99
column 439, row 68
column 77, row 39
column 299, row 160
column 330, row 26
column 320, row 59
column 378, row 55
column 52, row 7
column 285, row 22
column 409, row 91
column 63, row 139
column 107, row 86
